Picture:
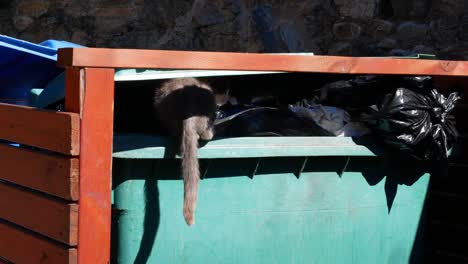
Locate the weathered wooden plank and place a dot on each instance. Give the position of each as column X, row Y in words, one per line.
column 55, row 131
column 21, row 247
column 164, row 59
column 48, row 173
column 95, row 166
column 52, row 218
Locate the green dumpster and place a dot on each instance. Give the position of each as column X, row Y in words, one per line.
column 268, row 200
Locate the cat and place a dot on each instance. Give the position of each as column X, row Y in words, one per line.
column 186, row 108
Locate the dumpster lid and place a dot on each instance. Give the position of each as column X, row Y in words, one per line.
column 11, row 47
column 152, row 74
column 149, row 74
column 25, row 65
column 139, row 146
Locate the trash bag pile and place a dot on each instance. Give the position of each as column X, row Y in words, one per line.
column 406, row 113
column 268, row 121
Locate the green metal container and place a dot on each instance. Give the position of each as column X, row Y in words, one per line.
column 268, row 200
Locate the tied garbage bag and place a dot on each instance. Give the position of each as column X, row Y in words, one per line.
column 415, row 119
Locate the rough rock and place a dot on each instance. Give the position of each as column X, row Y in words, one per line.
column 209, row 15
column 464, row 28
column 346, row 30
column 412, row 31
column 357, row 8
column 422, row 49
column 444, row 30
column 80, row 37
column 32, row 8
column 345, row 27
column 379, row 28
column 22, row 22
column 290, row 38
column 387, row 43
column 341, row 48
column 400, row 52
column 414, row 9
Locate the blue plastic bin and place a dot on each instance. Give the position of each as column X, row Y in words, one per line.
column 25, row 65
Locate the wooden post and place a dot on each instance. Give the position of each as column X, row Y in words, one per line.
column 74, row 89
column 90, row 92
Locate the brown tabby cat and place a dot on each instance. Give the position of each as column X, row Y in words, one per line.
column 186, row 108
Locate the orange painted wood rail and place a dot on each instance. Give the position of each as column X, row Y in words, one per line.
column 89, row 92
column 165, row 59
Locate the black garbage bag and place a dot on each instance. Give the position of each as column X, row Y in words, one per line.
column 267, row 121
column 415, row 118
column 405, row 112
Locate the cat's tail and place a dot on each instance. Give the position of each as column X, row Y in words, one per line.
column 190, row 168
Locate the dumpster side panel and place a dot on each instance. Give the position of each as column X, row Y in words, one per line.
column 322, row 216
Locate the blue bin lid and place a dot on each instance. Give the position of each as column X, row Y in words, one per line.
column 25, row 65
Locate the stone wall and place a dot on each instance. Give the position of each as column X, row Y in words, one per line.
column 338, row 27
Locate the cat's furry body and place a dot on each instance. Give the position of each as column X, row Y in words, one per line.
column 186, row 109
